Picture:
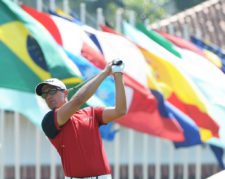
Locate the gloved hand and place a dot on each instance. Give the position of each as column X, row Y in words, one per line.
column 117, row 66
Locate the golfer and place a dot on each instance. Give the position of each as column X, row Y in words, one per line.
column 74, row 132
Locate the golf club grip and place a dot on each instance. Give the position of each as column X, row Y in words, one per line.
column 117, row 62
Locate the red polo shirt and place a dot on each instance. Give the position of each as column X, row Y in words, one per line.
column 79, row 142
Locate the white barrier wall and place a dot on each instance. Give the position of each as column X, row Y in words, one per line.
column 130, row 148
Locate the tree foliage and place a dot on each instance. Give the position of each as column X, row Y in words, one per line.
column 182, row 5
column 145, row 10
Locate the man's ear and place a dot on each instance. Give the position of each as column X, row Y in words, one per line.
column 66, row 92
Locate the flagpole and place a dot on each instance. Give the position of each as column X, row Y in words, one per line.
column 131, row 154
column 132, row 18
column 39, row 5
column 2, row 131
column 119, row 13
column 157, row 154
column 117, row 154
column 100, row 17
column 66, row 6
column 37, row 154
column 53, row 162
column 83, row 12
column 17, row 144
column 52, row 5
column 145, row 156
column 185, row 164
column 171, row 161
column 198, row 162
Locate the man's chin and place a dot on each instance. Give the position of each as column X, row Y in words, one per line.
column 51, row 106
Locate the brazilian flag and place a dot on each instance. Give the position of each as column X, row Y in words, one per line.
column 28, row 55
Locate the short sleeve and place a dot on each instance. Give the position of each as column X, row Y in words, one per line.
column 98, row 114
column 49, row 126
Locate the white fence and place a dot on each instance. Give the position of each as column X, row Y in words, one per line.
column 26, row 153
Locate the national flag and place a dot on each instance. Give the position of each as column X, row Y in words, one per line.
column 29, row 55
column 218, row 152
column 70, row 36
column 178, row 41
column 214, row 59
column 204, row 79
column 206, row 45
column 134, row 60
column 116, row 44
column 207, row 48
column 162, row 41
column 166, row 110
column 184, row 94
column 182, row 43
column 191, row 130
column 90, row 52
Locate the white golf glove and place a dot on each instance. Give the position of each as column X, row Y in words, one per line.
column 118, row 66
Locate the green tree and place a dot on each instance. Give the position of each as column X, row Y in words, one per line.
column 182, row 5
column 144, row 9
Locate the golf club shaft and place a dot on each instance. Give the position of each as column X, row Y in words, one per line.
column 114, row 62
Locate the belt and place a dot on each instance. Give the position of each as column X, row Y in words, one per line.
column 94, row 177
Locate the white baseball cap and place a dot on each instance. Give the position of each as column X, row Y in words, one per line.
column 52, row 81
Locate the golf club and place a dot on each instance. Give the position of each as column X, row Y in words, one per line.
column 117, row 62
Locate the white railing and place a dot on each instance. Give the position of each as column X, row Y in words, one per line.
column 24, row 145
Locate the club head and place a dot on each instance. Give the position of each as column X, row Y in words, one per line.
column 117, row 62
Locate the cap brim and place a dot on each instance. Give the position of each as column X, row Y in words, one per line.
column 39, row 88
column 52, row 82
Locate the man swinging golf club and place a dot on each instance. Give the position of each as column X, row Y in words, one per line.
column 74, row 132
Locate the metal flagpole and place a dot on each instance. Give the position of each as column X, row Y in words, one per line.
column 185, row 164
column 117, row 154
column 100, row 17
column 2, row 131
column 131, row 132
column 66, row 8
column 171, row 161
column 157, row 154
column 132, row 18
column 52, row 4
column 119, row 13
column 198, row 162
column 39, row 5
column 145, row 156
column 37, row 154
column 17, row 144
column 131, row 154
column 53, row 163
column 83, row 12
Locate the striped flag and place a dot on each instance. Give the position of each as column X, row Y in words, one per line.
column 183, row 93
column 29, row 55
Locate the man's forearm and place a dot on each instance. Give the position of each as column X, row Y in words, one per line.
column 121, row 105
column 88, row 89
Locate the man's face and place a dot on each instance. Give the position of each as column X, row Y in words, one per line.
column 54, row 96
